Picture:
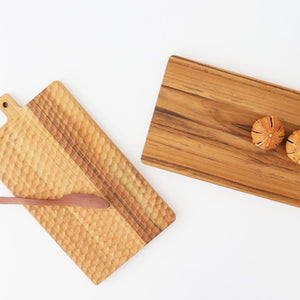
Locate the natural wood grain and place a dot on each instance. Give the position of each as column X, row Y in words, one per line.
column 201, row 128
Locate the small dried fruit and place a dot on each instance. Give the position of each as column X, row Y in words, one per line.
column 293, row 146
column 267, row 133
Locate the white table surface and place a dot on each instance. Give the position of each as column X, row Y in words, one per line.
column 111, row 55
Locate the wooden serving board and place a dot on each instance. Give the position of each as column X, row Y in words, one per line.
column 201, row 128
column 52, row 147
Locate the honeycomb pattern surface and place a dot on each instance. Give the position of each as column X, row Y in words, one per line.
column 52, row 147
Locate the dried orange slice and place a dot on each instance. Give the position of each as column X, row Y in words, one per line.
column 292, row 146
column 267, row 133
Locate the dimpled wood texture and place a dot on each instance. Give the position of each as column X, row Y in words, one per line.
column 201, row 127
column 51, row 147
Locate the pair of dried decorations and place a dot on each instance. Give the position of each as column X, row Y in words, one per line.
column 267, row 133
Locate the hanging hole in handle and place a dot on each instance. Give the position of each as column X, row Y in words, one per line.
column 9, row 107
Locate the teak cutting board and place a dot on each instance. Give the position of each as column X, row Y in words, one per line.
column 201, row 128
column 52, row 147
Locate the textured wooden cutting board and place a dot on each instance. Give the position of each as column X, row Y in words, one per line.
column 201, row 128
column 52, row 147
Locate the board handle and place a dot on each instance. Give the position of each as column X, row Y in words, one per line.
column 9, row 106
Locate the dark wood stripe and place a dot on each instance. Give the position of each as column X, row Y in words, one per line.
column 118, row 196
column 166, row 125
column 221, row 180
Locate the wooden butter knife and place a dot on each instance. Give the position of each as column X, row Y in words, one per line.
column 81, row 200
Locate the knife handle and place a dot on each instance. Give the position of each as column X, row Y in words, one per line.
column 79, row 200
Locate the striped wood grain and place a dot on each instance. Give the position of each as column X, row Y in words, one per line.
column 201, row 128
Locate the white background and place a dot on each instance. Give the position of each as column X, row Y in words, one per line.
column 111, row 55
